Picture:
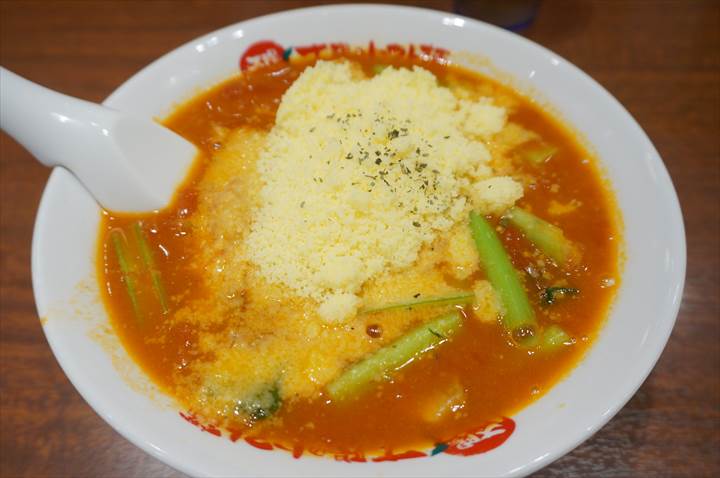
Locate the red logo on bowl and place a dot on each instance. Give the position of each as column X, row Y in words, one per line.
column 268, row 52
column 261, row 53
column 483, row 439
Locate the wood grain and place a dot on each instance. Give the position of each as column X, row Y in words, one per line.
column 660, row 59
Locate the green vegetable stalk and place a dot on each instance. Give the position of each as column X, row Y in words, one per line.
column 455, row 299
column 547, row 237
column 394, row 356
column 127, row 269
column 149, row 262
column 519, row 317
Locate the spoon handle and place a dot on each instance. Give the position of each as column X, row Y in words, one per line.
column 47, row 123
column 126, row 163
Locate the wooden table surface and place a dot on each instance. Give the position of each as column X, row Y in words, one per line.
column 660, row 59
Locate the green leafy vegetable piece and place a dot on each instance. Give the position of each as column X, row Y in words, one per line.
column 553, row 337
column 263, row 404
column 550, row 295
column 538, row 153
column 128, row 269
column 379, row 68
column 149, row 261
column 547, row 237
column 518, row 318
column 387, row 360
column 455, row 299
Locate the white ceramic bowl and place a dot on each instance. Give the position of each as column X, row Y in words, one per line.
column 66, row 290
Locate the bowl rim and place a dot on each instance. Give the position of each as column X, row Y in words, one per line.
column 675, row 215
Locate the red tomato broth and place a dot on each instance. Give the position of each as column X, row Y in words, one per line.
column 498, row 377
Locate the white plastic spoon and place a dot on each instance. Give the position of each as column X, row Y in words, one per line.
column 127, row 163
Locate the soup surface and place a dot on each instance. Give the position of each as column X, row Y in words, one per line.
column 326, row 225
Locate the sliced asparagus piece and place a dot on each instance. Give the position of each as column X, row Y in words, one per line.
column 387, row 360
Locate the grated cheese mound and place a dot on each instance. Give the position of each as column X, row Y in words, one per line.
column 482, row 118
column 358, row 174
column 493, row 195
column 461, row 253
column 487, row 305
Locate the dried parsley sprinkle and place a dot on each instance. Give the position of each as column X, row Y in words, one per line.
column 416, row 224
column 393, row 134
column 378, row 161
